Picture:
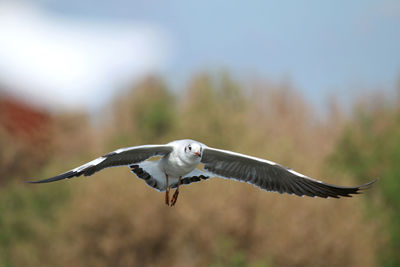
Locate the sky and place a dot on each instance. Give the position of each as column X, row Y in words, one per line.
column 79, row 53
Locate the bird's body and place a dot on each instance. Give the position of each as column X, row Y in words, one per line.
column 179, row 161
column 177, row 164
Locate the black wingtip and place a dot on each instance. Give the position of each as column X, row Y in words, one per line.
column 42, row 181
column 359, row 189
column 367, row 185
column 66, row 175
column 33, row 182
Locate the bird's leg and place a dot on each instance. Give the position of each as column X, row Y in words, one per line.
column 176, row 193
column 166, row 190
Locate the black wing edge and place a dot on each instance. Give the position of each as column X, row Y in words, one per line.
column 66, row 175
column 150, row 181
column 365, row 186
column 323, row 190
column 88, row 170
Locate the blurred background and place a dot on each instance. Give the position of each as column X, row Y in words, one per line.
column 309, row 84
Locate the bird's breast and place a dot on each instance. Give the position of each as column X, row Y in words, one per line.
column 175, row 166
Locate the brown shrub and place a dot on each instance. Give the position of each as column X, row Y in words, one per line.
column 114, row 219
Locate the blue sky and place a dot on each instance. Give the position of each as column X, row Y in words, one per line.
column 325, row 48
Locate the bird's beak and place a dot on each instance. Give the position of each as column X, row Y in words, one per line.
column 197, row 154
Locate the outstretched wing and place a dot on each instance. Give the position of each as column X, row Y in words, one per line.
column 269, row 175
column 119, row 157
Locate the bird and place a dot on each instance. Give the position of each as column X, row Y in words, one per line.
column 182, row 162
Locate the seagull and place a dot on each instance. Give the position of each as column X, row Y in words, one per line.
column 165, row 167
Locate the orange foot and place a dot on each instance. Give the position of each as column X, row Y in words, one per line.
column 175, row 197
column 167, row 196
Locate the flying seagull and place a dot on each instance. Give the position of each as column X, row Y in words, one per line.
column 178, row 165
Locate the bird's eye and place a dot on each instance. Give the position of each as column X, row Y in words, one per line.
column 190, row 147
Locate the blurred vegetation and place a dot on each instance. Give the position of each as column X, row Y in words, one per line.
column 370, row 147
column 26, row 221
column 114, row 219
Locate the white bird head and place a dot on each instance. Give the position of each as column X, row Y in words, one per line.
column 193, row 149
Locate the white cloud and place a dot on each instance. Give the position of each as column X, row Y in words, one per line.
column 62, row 62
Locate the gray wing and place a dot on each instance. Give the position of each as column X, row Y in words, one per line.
column 120, row 157
column 270, row 176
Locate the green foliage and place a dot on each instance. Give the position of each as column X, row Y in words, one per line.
column 26, row 214
column 227, row 254
column 146, row 114
column 370, row 148
column 214, row 104
column 153, row 112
